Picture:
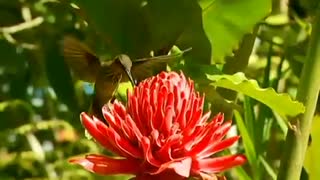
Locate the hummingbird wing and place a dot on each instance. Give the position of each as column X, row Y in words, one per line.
column 143, row 68
column 84, row 63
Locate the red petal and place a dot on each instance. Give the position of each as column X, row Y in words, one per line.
column 134, row 129
column 106, row 141
column 221, row 131
column 134, row 112
column 189, row 141
column 216, row 147
column 120, row 109
column 165, row 175
column 91, row 126
column 204, row 118
column 194, row 120
column 167, row 125
column 201, row 141
column 218, row 164
column 157, row 119
column 146, row 146
column 106, row 166
column 181, row 166
column 181, row 117
column 165, row 150
column 212, row 137
column 123, row 144
column 109, row 117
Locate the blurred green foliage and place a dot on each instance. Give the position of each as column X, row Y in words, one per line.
column 40, row 99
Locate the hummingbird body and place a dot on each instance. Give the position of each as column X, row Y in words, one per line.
column 107, row 82
column 107, row 75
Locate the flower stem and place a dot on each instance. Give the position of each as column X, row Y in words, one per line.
column 297, row 137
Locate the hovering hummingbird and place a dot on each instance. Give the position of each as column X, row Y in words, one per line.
column 108, row 75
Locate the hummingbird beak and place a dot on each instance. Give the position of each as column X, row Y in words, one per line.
column 133, row 82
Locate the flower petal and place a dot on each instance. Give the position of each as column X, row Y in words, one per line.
column 123, row 144
column 146, row 146
column 90, row 124
column 218, row 164
column 180, row 166
column 105, row 165
column 164, row 175
column 219, row 146
column 163, row 131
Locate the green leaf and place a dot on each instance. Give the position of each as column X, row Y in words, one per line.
column 247, row 141
column 281, row 121
column 138, row 27
column 120, row 24
column 241, row 174
column 268, row 168
column 226, row 22
column 198, row 72
column 194, row 36
column 165, row 28
column 122, row 91
column 281, row 103
column 249, row 118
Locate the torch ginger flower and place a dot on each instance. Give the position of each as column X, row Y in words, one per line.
column 161, row 134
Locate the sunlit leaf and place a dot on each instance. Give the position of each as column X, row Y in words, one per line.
column 281, row 103
column 225, row 22
column 122, row 91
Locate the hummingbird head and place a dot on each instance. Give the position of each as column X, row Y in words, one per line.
column 126, row 63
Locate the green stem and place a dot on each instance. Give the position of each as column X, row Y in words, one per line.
column 275, row 83
column 297, row 137
column 266, row 78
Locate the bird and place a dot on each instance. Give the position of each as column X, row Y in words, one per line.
column 107, row 75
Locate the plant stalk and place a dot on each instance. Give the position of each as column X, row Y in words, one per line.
column 297, row 137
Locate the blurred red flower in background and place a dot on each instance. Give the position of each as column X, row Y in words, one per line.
column 162, row 133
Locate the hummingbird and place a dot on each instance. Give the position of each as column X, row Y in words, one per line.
column 107, row 75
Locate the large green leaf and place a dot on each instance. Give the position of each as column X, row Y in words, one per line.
column 194, row 36
column 137, row 27
column 225, row 22
column 165, row 28
column 119, row 23
column 281, row 103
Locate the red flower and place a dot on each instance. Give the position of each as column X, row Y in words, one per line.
column 162, row 133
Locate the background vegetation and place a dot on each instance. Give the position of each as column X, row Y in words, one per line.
column 247, row 57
